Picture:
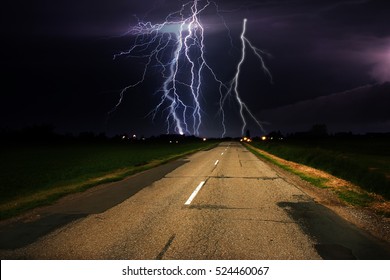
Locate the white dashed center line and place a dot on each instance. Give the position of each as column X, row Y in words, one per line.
column 188, row 202
column 221, row 154
column 216, row 162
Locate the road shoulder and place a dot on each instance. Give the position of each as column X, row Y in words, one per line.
column 362, row 217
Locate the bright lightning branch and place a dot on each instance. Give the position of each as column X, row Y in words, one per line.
column 177, row 48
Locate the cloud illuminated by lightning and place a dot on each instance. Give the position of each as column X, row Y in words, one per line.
column 177, row 48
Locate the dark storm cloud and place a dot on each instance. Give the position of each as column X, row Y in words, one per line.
column 353, row 110
column 371, row 54
column 62, row 59
column 72, row 18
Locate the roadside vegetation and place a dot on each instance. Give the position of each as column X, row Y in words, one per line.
column 37, row 174
column 355, row 169
column 364, row 162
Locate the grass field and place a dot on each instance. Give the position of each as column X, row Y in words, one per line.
column 364, row 162
column 35, row 175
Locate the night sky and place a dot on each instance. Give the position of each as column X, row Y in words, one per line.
column 330, row 62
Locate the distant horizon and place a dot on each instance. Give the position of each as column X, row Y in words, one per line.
column 42, row 130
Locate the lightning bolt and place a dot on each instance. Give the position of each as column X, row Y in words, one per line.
column 184, row 36
column 234, row 84
column 177, row 48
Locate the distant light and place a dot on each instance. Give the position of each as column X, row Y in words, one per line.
column 181, row 133
column 170, row 142
column 204, row 139
column 134, row 136
column 123, row 137
column 245, row 138
column 177, row 142
column 264, row 138
column 241, row 140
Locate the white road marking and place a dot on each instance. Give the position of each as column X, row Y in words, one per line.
column 188, row 202
column 222, row 154
column 216, row 162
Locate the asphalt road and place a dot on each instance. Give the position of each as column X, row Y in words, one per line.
column 224, row 203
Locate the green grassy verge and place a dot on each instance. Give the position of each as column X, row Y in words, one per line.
column 362, row 199
column 38, row 175
column 355, row 198
column 318, row 182
column 364, row 163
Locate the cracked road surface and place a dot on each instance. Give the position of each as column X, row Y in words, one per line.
column 224, row 203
